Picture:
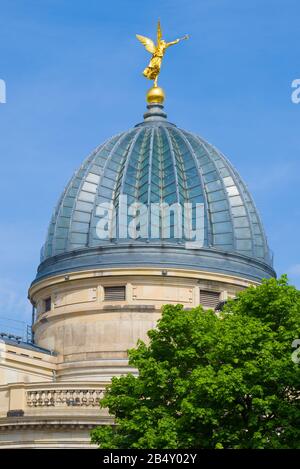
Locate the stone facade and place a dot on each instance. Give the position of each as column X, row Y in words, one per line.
column 50, row 399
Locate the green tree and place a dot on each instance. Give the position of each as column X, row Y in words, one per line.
column 213, row 381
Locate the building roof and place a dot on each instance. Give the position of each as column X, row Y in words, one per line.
column 151, row 163
column 25, row 345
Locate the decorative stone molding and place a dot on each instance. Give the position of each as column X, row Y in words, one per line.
column 32, row 424
column 60, row 398
column 64, row 397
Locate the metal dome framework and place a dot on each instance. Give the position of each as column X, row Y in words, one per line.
column 157, row 162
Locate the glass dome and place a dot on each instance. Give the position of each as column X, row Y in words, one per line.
column 156, row 162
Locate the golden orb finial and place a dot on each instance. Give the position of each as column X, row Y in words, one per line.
column 155, row 95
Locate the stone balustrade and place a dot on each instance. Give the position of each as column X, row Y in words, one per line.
column 64, row 397
column 61, row 398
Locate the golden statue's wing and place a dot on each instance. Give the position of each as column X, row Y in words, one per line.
column 148, row 43
column 159, row 32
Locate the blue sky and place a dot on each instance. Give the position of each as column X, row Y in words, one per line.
column 73, row 76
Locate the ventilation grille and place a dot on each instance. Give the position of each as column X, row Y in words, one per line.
column 114, row 293
column 209, row 299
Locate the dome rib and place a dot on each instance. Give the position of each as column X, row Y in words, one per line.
column 205, row 201
column 180, row 169
column 123, row 173
column 174, row 163
column 255, row 212
column 221, row 214
column 242, row 195
column 141, row 192
column 127, row 138
column 150, row 179
column 127, row 161
column 221, row 179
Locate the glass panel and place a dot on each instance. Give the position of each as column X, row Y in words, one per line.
column 222, row 227
column 94, row 178
column 228, row 181
column 220, row 216
column 65, row 211
column 96, row 169
column 61, row 232
column 129, row 189
column 245, row 245
column 214, row 196
column 155, row 197
column 63, row 222
column 79, row 238
column 212, row 176
column 168, row 190
column 241, row 222
column 108, row 183
column 256, row 229
column 232, row 190
column 242, row 233
column 259, row 241
column 224, row 172
column 219, row 206
column 224, row 247
column 260, row 252
column 195, row 191
column 206, row 168
column 84, row 206
column 238, row 211
column 86, row 196
column 69, row 201
column 72, row 192
column 254, row 218
column 110, row 174
column 81, row 216
column 235, row 201
column 60, row 243
column 80, row 227
column 213, row 186
column 170, row 198
column 223, row 238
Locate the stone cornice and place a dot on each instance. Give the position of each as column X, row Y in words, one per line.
column 96, row 274
column 60, row 423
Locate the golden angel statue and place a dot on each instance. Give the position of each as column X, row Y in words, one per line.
column 152, row 71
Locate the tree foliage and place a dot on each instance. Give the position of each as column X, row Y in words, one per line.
column 213, row 381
